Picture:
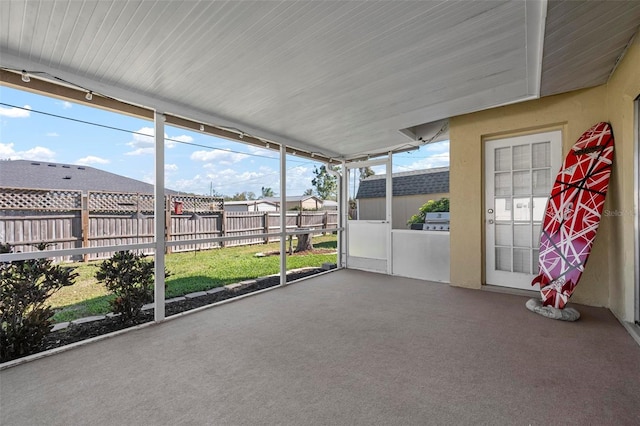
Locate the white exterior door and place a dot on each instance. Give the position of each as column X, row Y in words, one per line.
column 369, row 241
column 519, row 174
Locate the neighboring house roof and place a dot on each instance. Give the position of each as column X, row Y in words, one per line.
column 429, row 181
column 293, row 198
column 48, row 175
column 248, row 202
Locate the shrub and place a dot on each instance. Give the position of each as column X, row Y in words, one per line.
column 442, row 205
column 25, row 317
column 130, row 277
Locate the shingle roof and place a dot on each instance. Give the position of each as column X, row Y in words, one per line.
column 292, row 198
column 429, row 181
column 47, row 175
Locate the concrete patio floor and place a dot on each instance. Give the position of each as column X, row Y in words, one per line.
column 345, row 348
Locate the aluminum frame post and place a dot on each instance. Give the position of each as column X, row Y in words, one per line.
column 389, row 215
column 159, row 212
column 283, row 215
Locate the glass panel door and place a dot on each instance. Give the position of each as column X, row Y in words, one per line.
column 519, row 175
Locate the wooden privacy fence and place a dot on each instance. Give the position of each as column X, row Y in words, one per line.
column 71, row 219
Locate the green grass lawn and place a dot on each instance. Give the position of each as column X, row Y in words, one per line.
column 202, row 270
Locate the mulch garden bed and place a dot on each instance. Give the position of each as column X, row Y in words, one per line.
column 78, row 332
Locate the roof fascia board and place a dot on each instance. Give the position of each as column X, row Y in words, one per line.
column 130, row 96
column 535, row 23
column 367, row 163
column 64, row 92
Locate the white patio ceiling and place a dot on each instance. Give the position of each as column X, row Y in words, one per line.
column 344, row 79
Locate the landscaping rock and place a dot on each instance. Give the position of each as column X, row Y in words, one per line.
column 216, row 290
column 566, row 314
column 328, row 266
column 175, row 299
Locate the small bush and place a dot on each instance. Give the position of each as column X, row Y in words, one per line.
column 442, row 205
column 130, row 277
column 25, row 317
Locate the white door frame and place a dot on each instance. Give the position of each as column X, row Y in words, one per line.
column 380, row 257
column 636, row 202
column 494, row 215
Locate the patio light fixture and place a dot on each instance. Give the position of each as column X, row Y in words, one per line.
column 89, row 95
column 25, row 76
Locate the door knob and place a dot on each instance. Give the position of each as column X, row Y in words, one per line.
column 490, row 211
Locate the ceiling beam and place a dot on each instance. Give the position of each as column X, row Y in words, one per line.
column 536, row 17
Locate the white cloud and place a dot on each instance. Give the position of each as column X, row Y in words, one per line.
column 262, row 151
column 38, row 153
column 181, row 138
column 15, row 112
column 66, row 104
column 223, row 157
column 143, row 141
column 428, row 157
column 379, row 170
column 140, row 151
column 196, row 185
column 227, row 181
column 92, row 159
column 170, row 167
column 52, row 134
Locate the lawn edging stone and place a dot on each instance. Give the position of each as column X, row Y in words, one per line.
column 60, row 326
column 88, row 319
column 236, row 287
column 195, row 294
column 85, row 329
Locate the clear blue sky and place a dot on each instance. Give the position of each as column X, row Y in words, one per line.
column 226, row 166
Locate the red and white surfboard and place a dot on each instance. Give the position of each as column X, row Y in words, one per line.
column 573, row 214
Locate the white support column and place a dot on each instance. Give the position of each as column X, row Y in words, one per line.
column 159, row 212
column 389, row 216
column 283, row 215
column 340, row 216
column 345, row 215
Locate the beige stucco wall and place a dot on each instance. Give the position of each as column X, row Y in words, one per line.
column 623, row 88
column 309, row 204
column 403, row 208
column 572, row 113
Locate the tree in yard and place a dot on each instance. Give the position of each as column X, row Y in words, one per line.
column 326, row 185
column 267, row 192
column 365, row 172
column 308, row 192
column 441, row 205
column 241, row 196
column 304, row 243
